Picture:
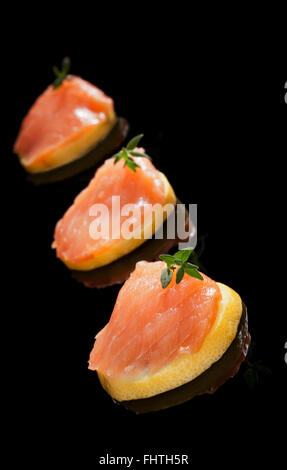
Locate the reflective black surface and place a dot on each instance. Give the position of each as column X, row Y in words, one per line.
column 213, row 115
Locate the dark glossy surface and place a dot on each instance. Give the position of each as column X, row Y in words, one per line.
column 213, row 112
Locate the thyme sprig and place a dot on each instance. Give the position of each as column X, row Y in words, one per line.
column 128, row 152
column 178, row 259
column 61, row 75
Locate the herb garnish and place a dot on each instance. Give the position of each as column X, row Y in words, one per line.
column 129, row 150
column 178, row 259
column 61, row 74
column 256, row 371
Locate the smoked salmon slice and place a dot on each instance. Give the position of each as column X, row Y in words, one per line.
column 141, row 189
column 157, row 339
column 64, row 124
column 150, row 325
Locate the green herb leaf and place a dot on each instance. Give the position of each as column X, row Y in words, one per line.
column 58, row 82
column 134, row 142
column 168, row 259
column 193, row 273
column 166, row 277
column 117, row 158
column 66, row 65
column 191, row 265
column 251, row 378
column 180, row 259
column 179, row 274
column 131, row 164
column 127, row 152
column 139, row 154
column 184, row 254
column 61, row 74
column 124, row 153
column 56, row 71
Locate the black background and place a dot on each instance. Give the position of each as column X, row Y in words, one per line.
column 212, row 114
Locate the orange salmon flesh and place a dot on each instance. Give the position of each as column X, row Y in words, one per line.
column 60, row 117
column 150, row 326
column 72, row 240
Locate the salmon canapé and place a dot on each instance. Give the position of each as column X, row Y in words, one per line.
column 63, row 125
column 141, row 190
column 157, row 339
